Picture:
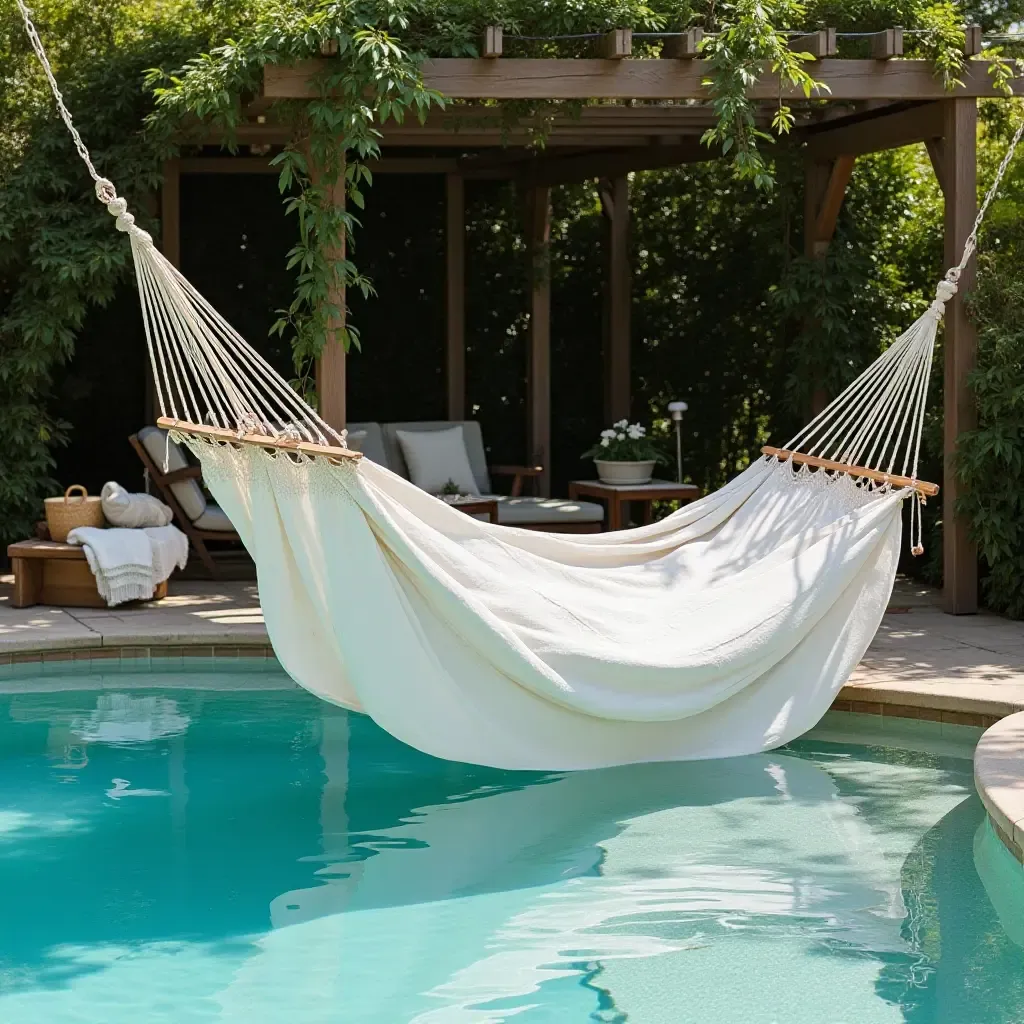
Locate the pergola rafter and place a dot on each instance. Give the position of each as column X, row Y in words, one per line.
column 657, row 110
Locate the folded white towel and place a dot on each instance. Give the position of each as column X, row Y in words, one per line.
column 170, row 550
column 128, row 564
column 123, row 508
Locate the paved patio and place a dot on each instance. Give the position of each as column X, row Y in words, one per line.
column 196, row 612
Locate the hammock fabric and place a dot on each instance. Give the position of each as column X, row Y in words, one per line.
column 725, row 629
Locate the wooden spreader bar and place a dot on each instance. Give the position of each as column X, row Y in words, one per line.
column 259, row 440
column 921, row 486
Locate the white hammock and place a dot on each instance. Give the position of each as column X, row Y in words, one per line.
column 725, row 629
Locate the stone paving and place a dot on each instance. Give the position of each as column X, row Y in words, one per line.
column 195, row 612
column 922, row 657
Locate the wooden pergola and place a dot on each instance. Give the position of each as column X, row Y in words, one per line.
column 644, row 114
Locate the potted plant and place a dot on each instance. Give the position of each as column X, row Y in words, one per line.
column 625, row 454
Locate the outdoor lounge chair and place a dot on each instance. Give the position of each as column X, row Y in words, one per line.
column 379, row 442
column 180, row 487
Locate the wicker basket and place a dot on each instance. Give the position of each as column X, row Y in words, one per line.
column 65, row 514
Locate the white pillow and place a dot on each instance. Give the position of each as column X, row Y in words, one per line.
column 121, row 508
column 354, row 439
column 435, row 457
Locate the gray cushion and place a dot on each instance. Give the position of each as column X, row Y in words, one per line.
column 546, row 511
column 368, row 438
column 188, row 493
column 470, row 434
column 437, row 460
column 214, row 518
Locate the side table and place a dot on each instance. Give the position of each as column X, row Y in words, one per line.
column 46, row 572
column 616, row 495
column 477, row 506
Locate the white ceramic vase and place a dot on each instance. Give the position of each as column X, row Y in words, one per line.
column 625, row 473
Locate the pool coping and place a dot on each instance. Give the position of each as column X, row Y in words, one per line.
column 999, row 779
column 200, row 648
column 998, row 759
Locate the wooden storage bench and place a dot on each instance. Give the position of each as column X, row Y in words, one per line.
column 46, row 572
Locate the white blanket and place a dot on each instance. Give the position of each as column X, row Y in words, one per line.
column 128, row 564
column 123, row 508
column 725, row 629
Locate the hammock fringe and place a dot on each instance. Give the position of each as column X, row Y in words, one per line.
column 861, row 472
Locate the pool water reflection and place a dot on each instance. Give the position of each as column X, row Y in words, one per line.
column 175, row 854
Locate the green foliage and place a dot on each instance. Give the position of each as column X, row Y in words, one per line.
column 845, row 308
column 750, row 38
column 990, row 459
column 58, row 254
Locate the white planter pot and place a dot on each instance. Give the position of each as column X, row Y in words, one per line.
column 628, row 473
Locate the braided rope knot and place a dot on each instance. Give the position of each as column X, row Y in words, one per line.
column 105, row 191
column 125, row 221
column 944, row 291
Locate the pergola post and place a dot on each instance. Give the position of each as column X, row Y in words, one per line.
column 538, row 368
column 959, row 181
column 455, row 296
column 617, row 330
column 825, row 184
column 330, row 367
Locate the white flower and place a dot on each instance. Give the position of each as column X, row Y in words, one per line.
column 635, row 431
column 621, row 425
column 606, row 434
column 621, row 437
column 605, row 441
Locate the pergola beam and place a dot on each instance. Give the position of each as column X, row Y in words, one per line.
column 875, row 132
column 600, row 78
column 832, row 200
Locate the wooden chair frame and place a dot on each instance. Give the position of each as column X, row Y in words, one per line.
column 197, row 537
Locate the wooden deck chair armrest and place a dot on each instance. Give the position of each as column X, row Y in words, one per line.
column 177, row 475
column 518, row 474
column 516, row 470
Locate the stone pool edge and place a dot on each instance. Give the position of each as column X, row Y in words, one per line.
column 998, row 760
column 999, row 779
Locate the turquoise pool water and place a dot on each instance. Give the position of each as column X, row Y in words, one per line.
column 216, row 846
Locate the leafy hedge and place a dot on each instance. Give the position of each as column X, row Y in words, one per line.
column 990, row 459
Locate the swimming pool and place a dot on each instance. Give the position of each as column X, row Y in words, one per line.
column 211, row 844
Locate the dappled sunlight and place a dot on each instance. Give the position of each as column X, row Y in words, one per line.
column 198, row 598
column 44, row 619
column 232, row 616
column 18, row 825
